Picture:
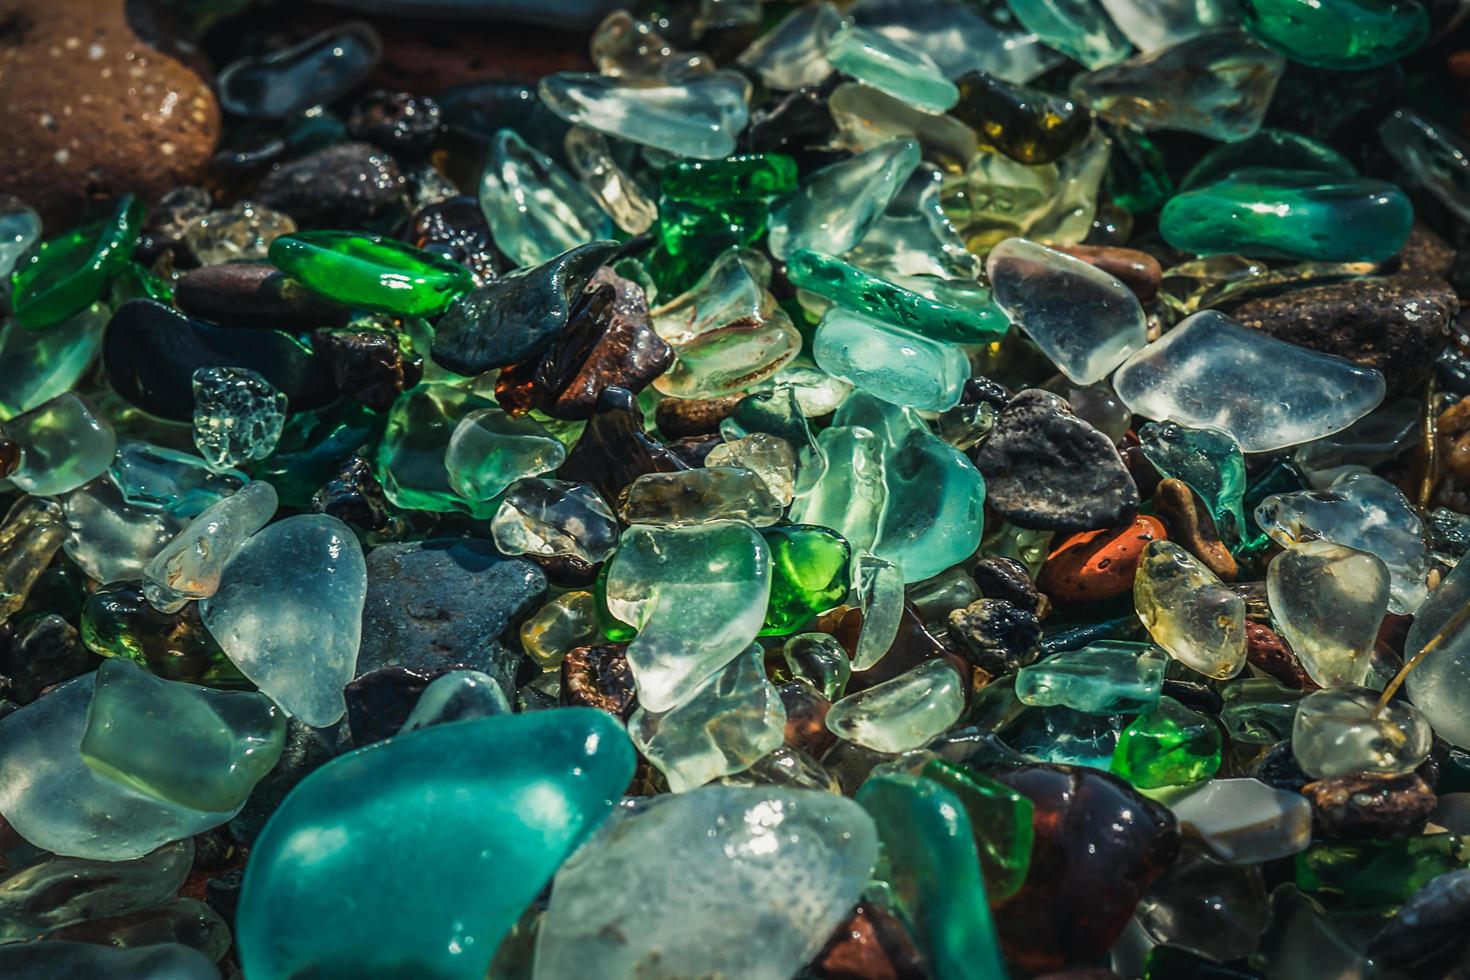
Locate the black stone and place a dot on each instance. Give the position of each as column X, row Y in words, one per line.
column 254, row 295
column 400, row 122
column 1436, row 918
column 354, row 495
column 995, row 635
column 445, row 603
column 42, row 651
column 1370, row 807
column 1006, row 578
column 349, row 185
column 380, row 701
column 457, row 230
column 1047, row 470
column 981, row 390
column 510, row 319
column 1278, row 769
column 800, row 123
column 368, row 364
column 613, row 450
column 150, row 353
column 306, row 750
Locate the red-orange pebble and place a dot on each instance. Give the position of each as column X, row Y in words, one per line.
column 1097, row 565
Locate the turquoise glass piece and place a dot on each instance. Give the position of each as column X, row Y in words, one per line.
column 70, row 273
column 903, row 713
column 1320, row 217
column 782, row 869
column 1343, row 35
column 1432, row 154
column 1217, row 85
column 1209, row 461
column 836, row 206
column 38, row 365
column 90, row 961
column 933, row 869
column 20, row 229
column 159, row 478
column 53, row 799
column 535, row 209
column 955, row 310
column 441, row 838
column 1107, row 677
column 699, row 116
column 889, row 362
column 1278, row 149
column 1078, row 28
column 489, row 450
column 933, row 514
column 697, row 597
column 412, row 456
column 880, row 596
column 294, row 635
column 63, row 443
column 905, row 73
column 841, row 485
column 1062, row 736
column 186, row 745
column 189, row 566
column 1001, row 820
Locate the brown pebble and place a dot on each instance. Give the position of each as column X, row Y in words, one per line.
column 871, row 945
column 1096, row 565
column 599, row 676
column 1425, row 254
column 1137, row 270
column 255, row 294
column 367, row 364
column 1267, row 651
column 91, row 111
column 679, row 417
column 1367, row 806
column 1192, row 527
column 806, row 718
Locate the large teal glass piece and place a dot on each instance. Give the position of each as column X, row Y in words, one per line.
column 38, row 365
column 1077, row 28
column 1209, row 461
column 1108, row 677
column 413, row 857
column 903, row 72
column 1344, row 35
column 1322, row 217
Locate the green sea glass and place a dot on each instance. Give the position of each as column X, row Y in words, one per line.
column 931, row 864
column 891, row 66
column 1343, row 35
column 1278, row 149
column 183, row 744
column 1322, row 217
column 889, row 362
column 1169, row 746
column 371, row 272
column 412, row 456
column 836, row 206
column 810, row 573
column 63, row 444
column 1377, row 875
column 489, row 450
column 1209, row 461
column 70, row 273
column 535, row 209
column 1108, row 677
column 472, row 819
column 1001, row 821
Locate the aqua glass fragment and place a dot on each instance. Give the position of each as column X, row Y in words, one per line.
column 38, row 365
column 1155, row 24
column 1206, row 459
column 411, row 458
column 63, row 444
column 793, row 53
column 891, row 66
column 1078, row 28
column 1433, row 155
column 1437, row 686
column 189, row 566
column 902, row 713
column 535, row 209
column 1278, row 149
column 836, row 206
column 889, row 362
column 490, row 449
column 1344, row 35
column 699, row 116
column 1109, row 677
column 20, row 229
column 238, row 416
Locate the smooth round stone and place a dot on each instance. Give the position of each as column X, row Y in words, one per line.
column 56, row 802
column 1094, row 565
column 295, row 636
column 1337, row 732
column 1343, row 35
column 442, row 837
column 889, row 362
column 1181, row 376
column 370, row 272
column 69, row 273
column 1320, row 217
column 255, row 294
column 319, row 70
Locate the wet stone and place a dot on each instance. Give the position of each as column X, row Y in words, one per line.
column 1137, row 270
column 380, row 701
column 1192, row 527
column 349, row 185
column 254, row 295
column 354, row 496
column 1006, row 578
column 1370, row 807
column 995, row 635
column 456, row 229
column 368, row 364
column 1096, row 565
column 614, row 450
column 42, row 651
column 679, row 417
column 402, row 123
column 871, row 945
column 598, row 676
column 1046, row 469
column 434, row 605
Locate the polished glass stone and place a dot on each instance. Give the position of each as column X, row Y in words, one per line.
column 1244, row 821
column 1168, row 746
column 1080, row 29
column 186, row 745
column 62, row 443
column 904, row 72
column 1108, row 677
column 238, row 416
column 846, row 491
column 1178, row 378
column 243, row 233
column 836, row 206
column 565, row 623
column 694, row 497
column 810, row 573
column 619, row 195
column 820, row 660
column 371, row 272
column 1189, row 612
column 90, row 961
column 1328, row 602
column 535, row 209
column 1432, row 154
column 623, row 46
column 459, row 695
column 1028, row 125
column 20, row 230
column 295, row 636
column 554, row 517
column 1000, row 819
column 1206, row 459
column 1278, row 149
column 699, row 116
column 1155, row 24
column 412, row 455
column 1320, row 217
column 1341, row 732
column 889, row 362
column 68, row 274
column 489, row 450
column 1344, row 35
column 445, row 836
column 902, row 713
column 793, row 53
column 1437, row 685
column 767, row 456
column 38, row 365
column 189, row 566
column 1376, row 875
column 117, row 621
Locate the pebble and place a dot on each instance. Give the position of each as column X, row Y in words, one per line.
column 380, row 701
column 252, row 294
column 1137, row 270
column 995, row 635
column 76, row 132
column 1095, row 565
column 1045, row 469
column 347, row 185
column 368, row 364
column 1369, row 807
column 1191, row 526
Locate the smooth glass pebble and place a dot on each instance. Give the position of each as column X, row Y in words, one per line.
column 1189, row 612
column 1000, row 819
column 186, row 745
column 189, row 566
column 889, row 362
column 820, row 660
column 767, row 456
column 63, row 444
column 1373, row 876
column 694, row 497
column 238, row 416
column 1085, row 320
column 1216, row 84
column 411, row 458
column 1080, row 29
column 698, row 117
column 915, row 235
column 902, row 713
column 296, row 636
column 1319, row 217
column 242, row 233
column 1328, row 602
column 1244, row 821
column 111, row 539
column 536, row 210
column 618, row 194
column 1155, row 24
column 904, row 72
column 459, row 695
column 38, row 365
column 1339, row 732
column 731, row 720
column 1170, row 745
column 1209, row 461
column 836, row 206
column 489, row 450
column 624, row 47
column 842, row 485
column 58, row 803
column 554, row 517
column 1362, row 511
column 810, row 573
column 565, row 623
column 159, row 478
column 793, row 53
column 20, row 230
column 697, row 597
column 30, row 536
column 784, row 866
column 880, row 596
column 319, row 70
column 1344, row 35
column 1258, row 711
column 474, row 818
column 69, row 273
column 1180, row 377
column 371, row 272
column 1433, row 155
column 1437, row 685
column 1109, row 677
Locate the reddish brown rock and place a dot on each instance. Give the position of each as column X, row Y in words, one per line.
column 1097, row 565
column 806, row 718
column 1139, row 271
column 870, row 945
column 1267, row 651
column 90, row 111
column 1192, row 527
column 680, row 417
column 598, row 676
column 1369, row 807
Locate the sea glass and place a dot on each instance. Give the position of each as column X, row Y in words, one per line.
column 55, row 892
column 1432, row 155
column 820, row 660
column 554, row 517
column 30, row 535
column 1440, row 641
column 459, row 695
column 1328, row 601
column 535, row 209
column 489, row 450
column 1079, row 29
column 1344, row 35
column 889, row 362
column 767, row 456
column 1106, row 677
column 694, row 497
column 20, row 230
column 1244, row 821
column 836, row 206
column 238, row 416
column 564, row 623
column 189, row 566
column 1341, row 732
column 243, row 233
column 697, row 117
column 1155, row 24
column 68, row 274
column 1189, row 612
column 793, row 53
column 902, row 713
column 1170, row 745
column 411, row 458
column 1278, row 149
column 371, row 272
column 891, row 66
column 63, row 444
column 1206, row 459
column 618, row 194
column 38, row 365
column 318, row 70
column 810, row 573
